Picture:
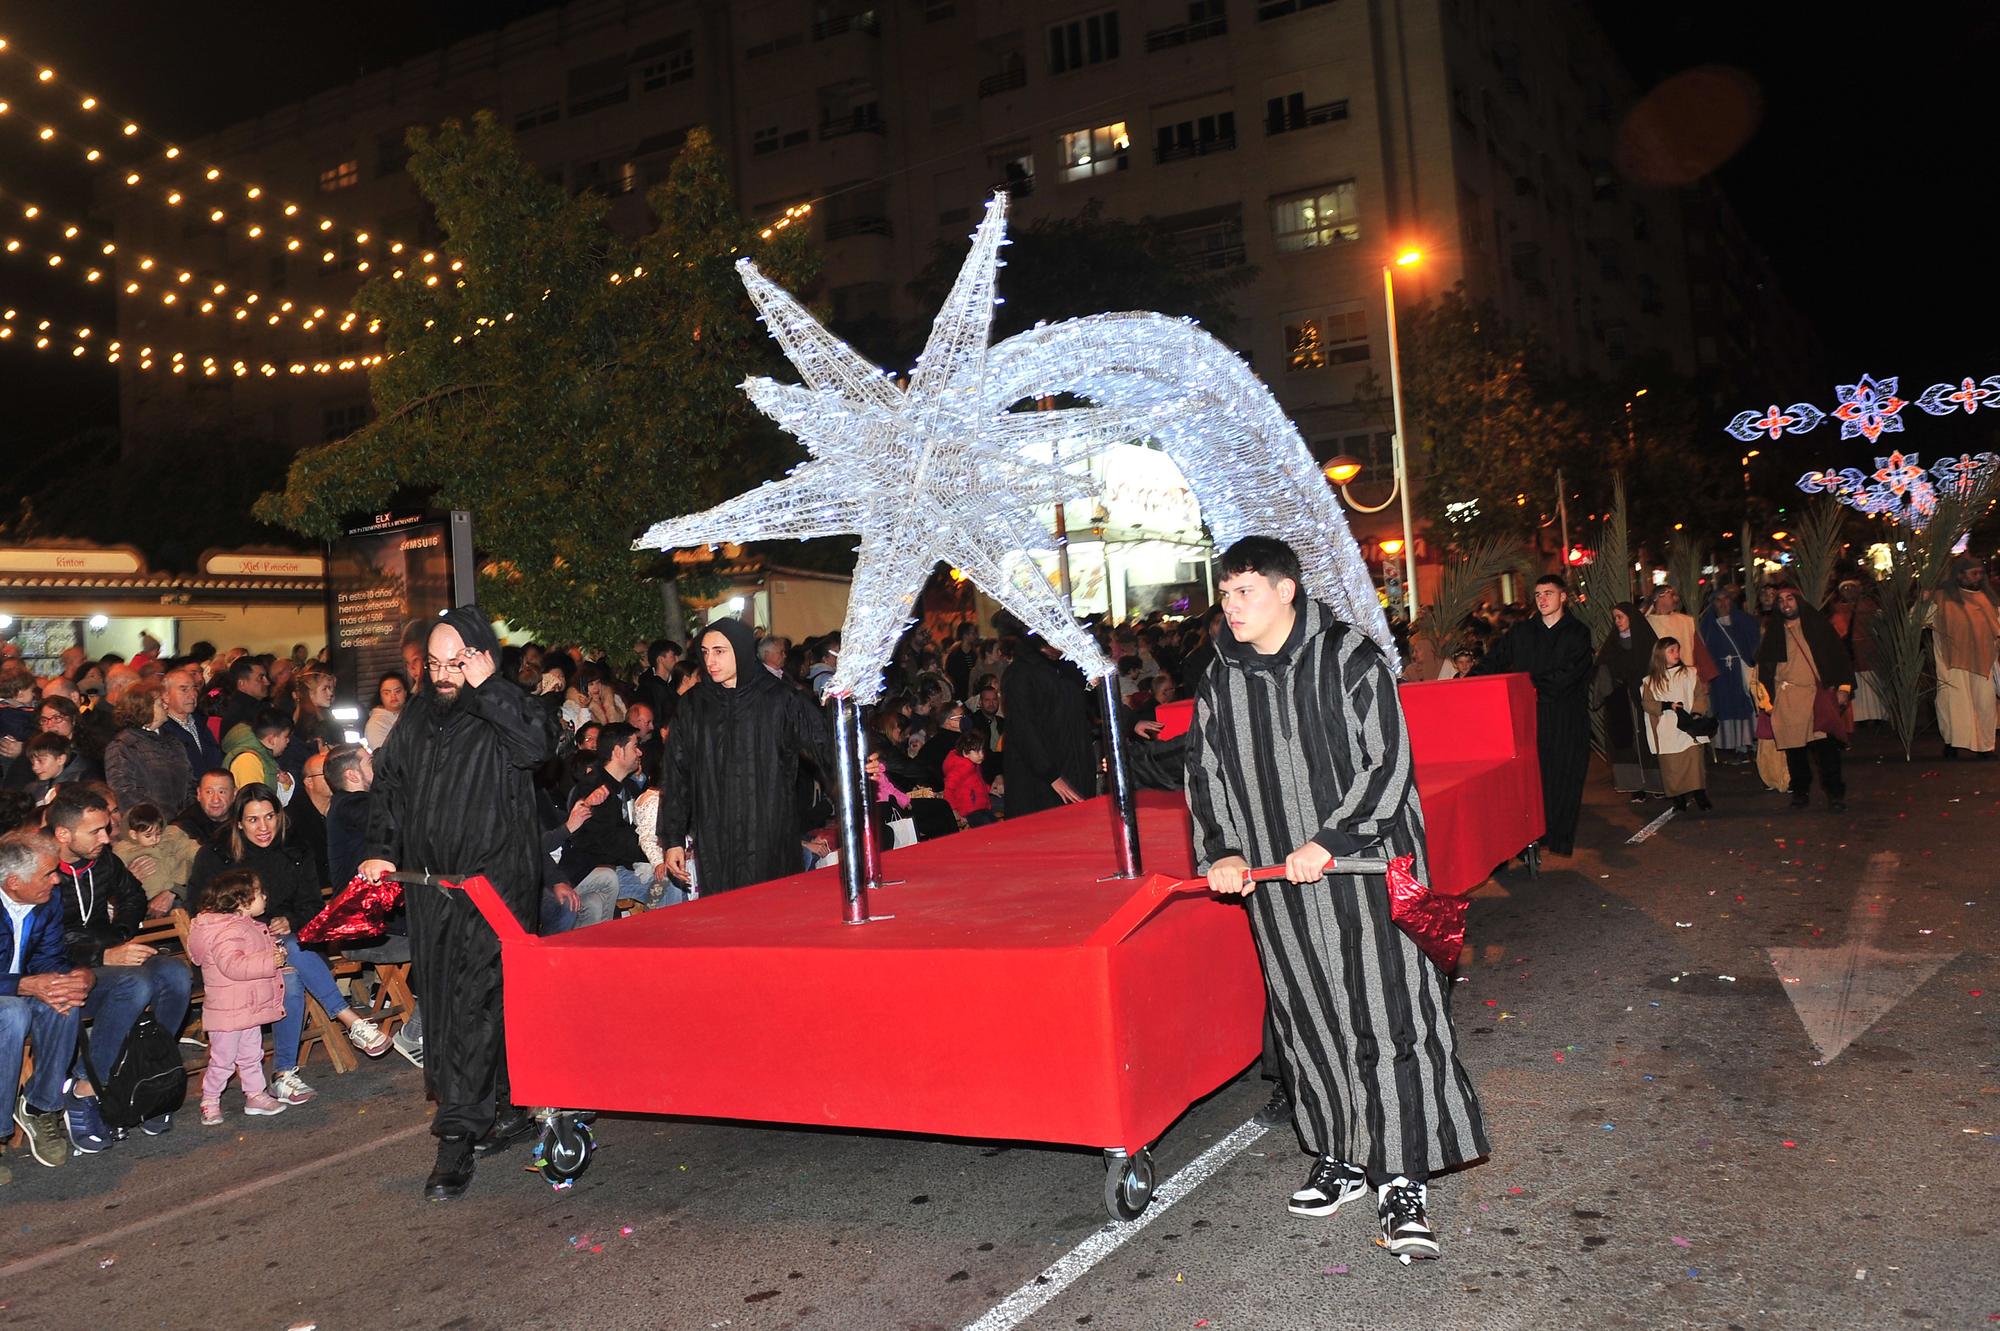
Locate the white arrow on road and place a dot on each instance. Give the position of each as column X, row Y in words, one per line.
column 1841, row 991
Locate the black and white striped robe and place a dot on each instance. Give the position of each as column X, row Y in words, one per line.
column 1308, row 744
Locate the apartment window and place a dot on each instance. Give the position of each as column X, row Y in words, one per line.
column 1195, row 137
column 1096, row 152
column 773, row 138
column 849, row 108
column 1083, row 42
column 599, row 84
column 1288, row 112
column 1014, row 172
column 1002, row 65
column 1211, row 238
column 1317, row 218
column 667, row 61
column 337, row 423
column 342, row 176
column 1315, row 340
column 392, row 151
column 545, row 114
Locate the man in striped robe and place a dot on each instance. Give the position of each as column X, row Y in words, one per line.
column 1297, row 755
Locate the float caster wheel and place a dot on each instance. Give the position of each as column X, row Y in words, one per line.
column 1128, row 1183
column 565, row 1150
column 1533, row 856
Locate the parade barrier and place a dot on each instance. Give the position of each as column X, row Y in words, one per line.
column 1008, row 991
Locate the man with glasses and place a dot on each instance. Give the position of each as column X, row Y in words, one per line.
column 454, row 795
column 1552, row 647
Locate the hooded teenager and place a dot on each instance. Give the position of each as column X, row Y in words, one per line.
column 454, row 795
column 729, row 778
column 1623, row 662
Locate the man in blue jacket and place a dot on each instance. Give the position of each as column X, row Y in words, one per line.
column 41, row 994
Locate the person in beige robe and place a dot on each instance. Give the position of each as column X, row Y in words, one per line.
column 1799, row 656
column 1965, row 635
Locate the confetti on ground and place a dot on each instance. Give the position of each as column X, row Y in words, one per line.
column 1559, row 1057
column 1610, row 1127
column 1680, row 1242
column 625, row 1231
column 106, row 1263
column 1976, row 993
column 1335, row 1271
column 1515, row 1192
column 1791, row 1146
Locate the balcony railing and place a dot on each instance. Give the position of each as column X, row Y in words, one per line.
column 1019, row 187
column 1212, row 257
column 1005, row 81
column 1323, row 114
column 1165, row 39
column 865, row 21
column 844, row 227
column 1178, row 152
column 858, row 122
column 1270, row 9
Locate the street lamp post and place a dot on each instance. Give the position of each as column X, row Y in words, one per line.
column 1399, row 459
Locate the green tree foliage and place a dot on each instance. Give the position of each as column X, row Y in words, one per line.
column 1487, row 427
column 568, row 387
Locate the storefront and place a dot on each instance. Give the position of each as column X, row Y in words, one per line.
column 1138, row 547
column 102, row 598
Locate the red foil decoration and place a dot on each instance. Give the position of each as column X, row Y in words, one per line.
column 1434, row 922
column 360, row 910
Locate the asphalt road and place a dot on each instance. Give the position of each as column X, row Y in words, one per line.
column 1689, row 1130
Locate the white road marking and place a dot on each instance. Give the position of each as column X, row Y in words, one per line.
column 1841, row 991
column 1647, row 831
column 1029, row 1299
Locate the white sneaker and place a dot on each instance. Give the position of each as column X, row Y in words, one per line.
column 368, row 1038
column 290, row 1087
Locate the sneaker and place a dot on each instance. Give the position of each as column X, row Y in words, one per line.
column 157, row 1126
column 368, row 1038
column 290, row 1087
column 261, row 1105
column 1406, row 1230
column 194, row 1040
column 1277, row 1110
column 1331, row 1185
column 44, row 1131
column 211, row 1114
column 87, row 1132
column 413, row 1050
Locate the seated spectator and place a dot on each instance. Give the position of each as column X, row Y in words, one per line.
column 52, row 761
column 656, row 686
column 965, row 788
column 207, row 819
column 18, row 697
column 256, row 841
column 41, row 994
column 253, row 750
column 605, row 848
column 313, row 728
column 188, row 728
column 350, row 772
column 652, row 743
column 307, row 816
column 159, row 854
column 103, row 907
column 391, row 692
column 250, row 681
column 143, row 763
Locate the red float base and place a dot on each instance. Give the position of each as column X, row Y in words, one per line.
column 1013, row 995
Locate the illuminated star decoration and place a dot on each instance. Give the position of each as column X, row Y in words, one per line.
column 935, row 472
column 1901, row 488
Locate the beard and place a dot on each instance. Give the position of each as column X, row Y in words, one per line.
column 447, row 695
column 1788, row 611
column 1973, row 584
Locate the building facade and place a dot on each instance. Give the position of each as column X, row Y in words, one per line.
column 1309, row 140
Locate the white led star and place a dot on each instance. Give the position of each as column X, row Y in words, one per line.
column 935, row 472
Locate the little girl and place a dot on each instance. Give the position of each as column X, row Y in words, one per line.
column 240, row 963
column 1671, row 690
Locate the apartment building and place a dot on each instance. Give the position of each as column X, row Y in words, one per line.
column 1308, row 139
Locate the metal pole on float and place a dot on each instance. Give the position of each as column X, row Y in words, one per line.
column 1124, row 799
column 847, row 761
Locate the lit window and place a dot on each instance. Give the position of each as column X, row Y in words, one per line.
column 340, row 177
column 1334, row 337
column 1321, row 217
column 1095, row 152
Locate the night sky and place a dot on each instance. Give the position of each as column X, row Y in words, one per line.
column 1860, row 178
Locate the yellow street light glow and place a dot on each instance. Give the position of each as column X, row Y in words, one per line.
column 1392, row 547
column 174, row 197
column 1343, row 469
column 92, row 155
column 45, row 74
column 214, row 173
column 89, row 103
column 172, row 153
column 130, row 129
column 252, row 192
column 1404, row 260
column 132, row 177
column 291, row 210
column 1779, row 535
column 47, row 134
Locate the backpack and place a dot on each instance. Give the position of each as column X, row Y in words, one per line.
column 145, row 1080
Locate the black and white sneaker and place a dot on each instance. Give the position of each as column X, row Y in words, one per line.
column 1406, row 1229
column 1331, row 1185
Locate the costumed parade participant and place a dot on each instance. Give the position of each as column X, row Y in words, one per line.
column 1623, row 662
column 454, row 795
column 1553, row 647
column 1298, row 754
column 1731, row 635
column 729, row 778
column 1966, row 635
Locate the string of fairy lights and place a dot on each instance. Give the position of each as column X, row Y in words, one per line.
column 235, row 207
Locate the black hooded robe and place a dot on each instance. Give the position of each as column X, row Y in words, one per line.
column 729, row 777
column 1558, row 659
column 454, row 795
column 1048, row 732
column 1624, row 664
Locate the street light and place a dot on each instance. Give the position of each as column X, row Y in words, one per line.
column 1398, row 457
column 1342, row 471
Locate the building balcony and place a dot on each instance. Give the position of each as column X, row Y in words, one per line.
column 1198, row 148
column 865, row 22
column 860, row 122
column 1005, row 81
column 1294, row 118
column 1213, row 258
column 1270, row 9
column 1181, row 34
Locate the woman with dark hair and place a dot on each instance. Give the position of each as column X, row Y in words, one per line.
column 1622, row 665
column 292, row 895
column 391, row 692
column 143, row 763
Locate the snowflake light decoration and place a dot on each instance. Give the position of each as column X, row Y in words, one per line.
column 1943, row 399
column 1869, row 408
column 1901, row 488
column 944, row 470
column 1798, row 418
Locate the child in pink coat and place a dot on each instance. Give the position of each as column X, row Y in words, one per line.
column 242, row 990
